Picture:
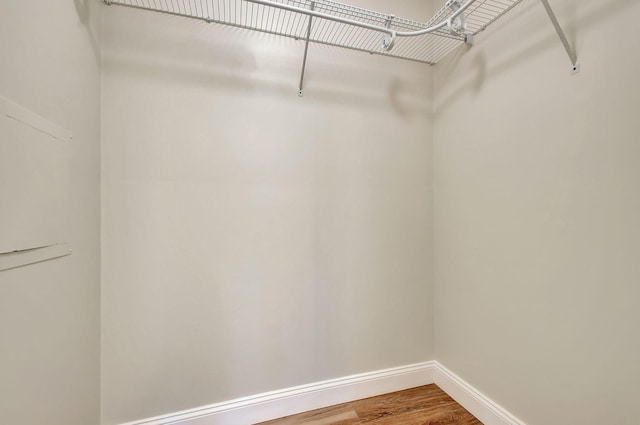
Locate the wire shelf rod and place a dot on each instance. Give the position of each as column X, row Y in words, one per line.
column 342, row 25
column 382, row 29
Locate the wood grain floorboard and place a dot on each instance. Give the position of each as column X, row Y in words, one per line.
column 427, row 405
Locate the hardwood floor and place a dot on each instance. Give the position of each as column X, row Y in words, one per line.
column 427, row 405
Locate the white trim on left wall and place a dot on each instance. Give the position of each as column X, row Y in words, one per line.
column 290, row 401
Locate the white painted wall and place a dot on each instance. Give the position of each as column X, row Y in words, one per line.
column 537, row 215
column 253, row 240
column 50, row 312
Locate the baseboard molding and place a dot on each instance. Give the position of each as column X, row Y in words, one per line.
column 276, row 404
column 483, row 408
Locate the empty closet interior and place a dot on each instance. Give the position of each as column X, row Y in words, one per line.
column 229, row 211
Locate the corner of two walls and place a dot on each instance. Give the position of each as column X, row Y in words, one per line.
column 536, row 206
column 254, row 240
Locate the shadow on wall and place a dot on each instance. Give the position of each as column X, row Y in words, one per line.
column 83, row 9
column 197, row 54
column 240, row 74
column 406, row 104
column 369, row 82
column 570, row 22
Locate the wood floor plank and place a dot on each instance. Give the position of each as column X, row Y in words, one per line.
column 341, row 414
column 427, row 405
column 345, row 418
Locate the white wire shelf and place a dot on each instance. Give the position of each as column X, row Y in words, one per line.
column 341, row 25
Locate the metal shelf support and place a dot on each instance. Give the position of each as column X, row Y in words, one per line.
column 306, row 51
column 573, row 57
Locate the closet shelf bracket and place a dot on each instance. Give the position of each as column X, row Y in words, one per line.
column 306, row 50
column 573, row 57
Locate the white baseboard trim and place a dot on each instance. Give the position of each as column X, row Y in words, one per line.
column 486, row 410
column 276, row 404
